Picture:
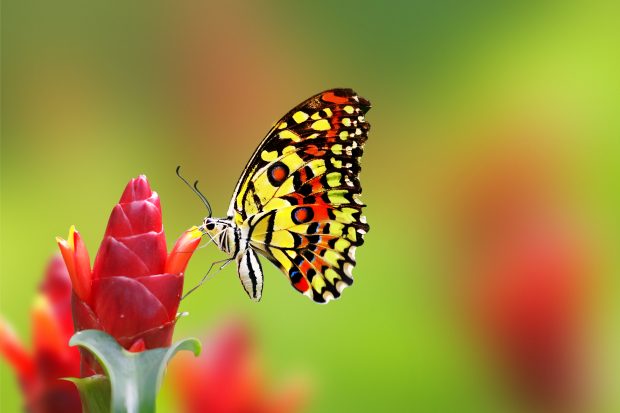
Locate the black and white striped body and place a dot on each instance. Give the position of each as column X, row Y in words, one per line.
column 234, row 241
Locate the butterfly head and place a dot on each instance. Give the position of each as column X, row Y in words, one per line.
column 220, row 231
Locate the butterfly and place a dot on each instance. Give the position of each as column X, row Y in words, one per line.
column 297, row 200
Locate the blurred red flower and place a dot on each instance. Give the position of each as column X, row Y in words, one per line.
column 134, row 288
column 528, row 277
column 39, row 371
column 227, row 378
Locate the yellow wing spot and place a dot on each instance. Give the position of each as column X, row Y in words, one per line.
column 313, row 136
column 335, row 228
column 321, row 125
column 317, row 166
column 331, row 257
column 263, row 188
column 260, row 229
column 344, row 135
column 282, row 258
column 276, row 203
column 300, row 229
column 337, row 149
column 345, row 215
column 300, row 116
column 333, row 178
column 269, row 156
column 342, row 244
column 288, row 134
column 242, row 189
column 346, row 122
column 336, row 162
column 282, row 125
column 288, row 149
column 287, row 186
column 282, row 239
column 352, row 235
column 283, row 220
column 331, row 275
column 250, row 206
column 318, row 283
column 328, row 112
column 338, row 197
column 316, row 116
column 348, row 109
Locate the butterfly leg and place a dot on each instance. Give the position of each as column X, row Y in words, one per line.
column 224, row 263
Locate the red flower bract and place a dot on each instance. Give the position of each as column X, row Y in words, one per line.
column 39, row 371
column 528, row 274
column 134, row 289
column 227, row 378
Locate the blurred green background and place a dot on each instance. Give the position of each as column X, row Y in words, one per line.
column 95, row 94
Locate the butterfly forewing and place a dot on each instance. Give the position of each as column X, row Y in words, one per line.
column 298, row 196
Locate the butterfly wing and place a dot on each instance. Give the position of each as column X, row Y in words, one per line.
column 298, row 196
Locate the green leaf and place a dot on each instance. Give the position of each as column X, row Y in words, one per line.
column 135, row 378
column 94, row 392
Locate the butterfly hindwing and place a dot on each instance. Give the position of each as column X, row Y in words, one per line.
column 299, row 193
column 318, row 255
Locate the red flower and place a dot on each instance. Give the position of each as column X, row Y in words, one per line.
column 226, row 379
column 39, row 371
column 134, row 288
column 529, row 302
column 528, row 276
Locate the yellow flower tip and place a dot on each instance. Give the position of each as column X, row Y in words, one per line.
column 195, row 232
column 6, row 331
column 46, row 328
column 76, row 259
column 40, row 303
column 71, row 237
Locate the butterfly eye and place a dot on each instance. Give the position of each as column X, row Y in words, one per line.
column 210, row 226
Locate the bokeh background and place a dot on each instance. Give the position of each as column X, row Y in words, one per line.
column 491, row 177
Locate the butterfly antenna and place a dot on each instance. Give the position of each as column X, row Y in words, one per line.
column 196, row 191
column 204, row 198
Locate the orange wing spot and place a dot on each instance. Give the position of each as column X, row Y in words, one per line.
column 278, row 173
column 305, row 266
column 317, row 186
column 301, row 214
column 331, row 97
column 302, row 175
column 320, row 213
column 336, row 126
column 314, row 150
column 318, row 261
